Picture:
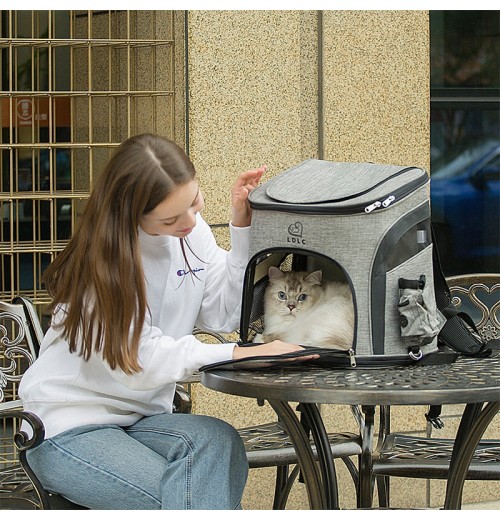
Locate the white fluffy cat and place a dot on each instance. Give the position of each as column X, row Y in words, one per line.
column 301, row 308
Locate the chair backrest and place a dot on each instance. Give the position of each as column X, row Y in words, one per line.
column 20, row 336
column 479, row 296
column 19, row 344
column 33, row 321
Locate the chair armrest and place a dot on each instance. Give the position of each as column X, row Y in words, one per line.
column 26, row 440
column 182, row 400
column 22, row 439
column 182, row 397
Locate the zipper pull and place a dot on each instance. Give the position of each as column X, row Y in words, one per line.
column 373, row 206
column 388, row 201
column 352, row 357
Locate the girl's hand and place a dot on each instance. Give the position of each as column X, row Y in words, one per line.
column 246, row 182
column 274, row 348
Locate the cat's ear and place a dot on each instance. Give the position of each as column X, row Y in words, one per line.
column 275, row 273
column 314, row 278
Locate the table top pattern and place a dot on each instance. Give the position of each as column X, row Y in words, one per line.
column 466, row 380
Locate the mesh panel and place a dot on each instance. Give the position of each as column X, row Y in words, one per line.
column 261, row 267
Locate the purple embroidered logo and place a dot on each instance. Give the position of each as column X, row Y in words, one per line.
column 182, row 272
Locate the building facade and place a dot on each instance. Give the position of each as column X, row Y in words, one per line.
column 237, row 89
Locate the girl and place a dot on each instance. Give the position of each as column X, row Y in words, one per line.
column 140, row 272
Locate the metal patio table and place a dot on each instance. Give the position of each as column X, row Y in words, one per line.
column 470, row 381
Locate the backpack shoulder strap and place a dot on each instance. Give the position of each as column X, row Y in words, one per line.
column 458, row 332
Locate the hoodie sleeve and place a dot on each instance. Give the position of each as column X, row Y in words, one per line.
column 165, row 360
column 221, row 304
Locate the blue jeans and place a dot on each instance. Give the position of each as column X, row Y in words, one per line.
column 167, row 461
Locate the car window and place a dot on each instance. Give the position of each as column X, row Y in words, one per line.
column 455, row 164
column 490, row 170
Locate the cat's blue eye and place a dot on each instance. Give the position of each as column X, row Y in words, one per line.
column 282, row 295
column 302, row 297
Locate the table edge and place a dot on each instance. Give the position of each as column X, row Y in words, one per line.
column 374, row 396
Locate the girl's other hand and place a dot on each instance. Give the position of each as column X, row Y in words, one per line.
column 274, row 348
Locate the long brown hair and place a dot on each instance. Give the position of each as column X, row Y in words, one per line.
column 99, row 275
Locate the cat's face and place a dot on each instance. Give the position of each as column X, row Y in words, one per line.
column 289, row 294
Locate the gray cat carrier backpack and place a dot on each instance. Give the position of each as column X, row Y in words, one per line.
column 368, row 225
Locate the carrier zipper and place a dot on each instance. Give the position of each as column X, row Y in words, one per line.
column 371, row 207
column 352, row 357
column 398, row 194
column 386, row 203
column 318, row 208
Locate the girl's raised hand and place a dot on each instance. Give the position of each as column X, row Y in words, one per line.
column 245, row 183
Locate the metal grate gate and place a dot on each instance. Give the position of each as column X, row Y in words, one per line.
column 74, row 84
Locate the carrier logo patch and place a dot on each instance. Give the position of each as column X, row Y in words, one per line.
column 295, row 232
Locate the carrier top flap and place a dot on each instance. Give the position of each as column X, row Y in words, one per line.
column 328, row 187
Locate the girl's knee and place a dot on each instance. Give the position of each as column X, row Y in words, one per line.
column 223, row 431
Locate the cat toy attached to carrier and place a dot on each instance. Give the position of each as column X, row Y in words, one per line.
column 365, row 224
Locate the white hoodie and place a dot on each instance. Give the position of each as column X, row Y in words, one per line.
column 65, row 391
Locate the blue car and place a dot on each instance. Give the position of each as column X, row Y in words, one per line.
column 465, row 199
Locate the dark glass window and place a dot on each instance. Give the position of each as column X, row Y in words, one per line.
column 465, row 49
column 465, row 139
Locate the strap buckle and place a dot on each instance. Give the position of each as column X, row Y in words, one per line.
column 435, row 421
column 415, row 353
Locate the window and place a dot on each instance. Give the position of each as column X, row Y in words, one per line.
column 465, row 139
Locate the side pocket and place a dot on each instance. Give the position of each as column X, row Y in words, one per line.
column 418, row 325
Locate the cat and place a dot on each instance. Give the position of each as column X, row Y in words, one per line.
column 301, row 308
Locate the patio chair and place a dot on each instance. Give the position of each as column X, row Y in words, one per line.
column 20, row 338
column 411, row 456
column 267, row 445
